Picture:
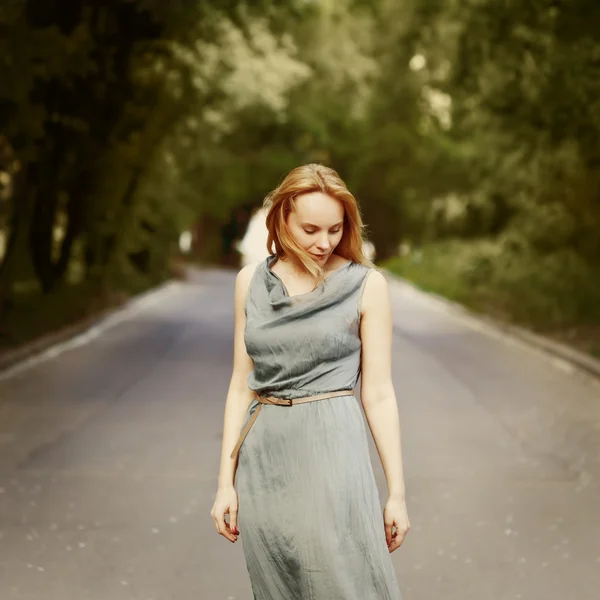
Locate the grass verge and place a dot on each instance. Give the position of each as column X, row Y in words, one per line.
column 477, row 277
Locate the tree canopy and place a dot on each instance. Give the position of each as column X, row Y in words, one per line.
column 123, row 123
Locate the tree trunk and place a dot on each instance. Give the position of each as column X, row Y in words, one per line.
column 41, row 236
column 17, row 250
column 76, row 221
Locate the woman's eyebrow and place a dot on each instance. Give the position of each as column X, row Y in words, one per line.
column 313, row 225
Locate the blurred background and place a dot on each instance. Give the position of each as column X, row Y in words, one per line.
column 138, row 139
column 138, row 134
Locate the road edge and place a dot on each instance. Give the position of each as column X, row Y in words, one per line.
column 10, row 359
column 576, row 358
column 590, row 365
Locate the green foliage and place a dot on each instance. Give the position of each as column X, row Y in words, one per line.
column 520, row 159
column 508, row 279
column 437, row 270
column 471, row 126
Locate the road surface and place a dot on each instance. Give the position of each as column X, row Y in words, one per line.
column 109, row 456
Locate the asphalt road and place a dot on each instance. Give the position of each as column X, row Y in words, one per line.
column 109, row 455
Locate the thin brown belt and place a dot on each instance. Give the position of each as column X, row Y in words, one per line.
column 281, row 402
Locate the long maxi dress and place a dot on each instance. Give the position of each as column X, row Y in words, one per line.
column 309, row 514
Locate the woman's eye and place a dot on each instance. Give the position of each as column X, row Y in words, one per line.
column 310, row 232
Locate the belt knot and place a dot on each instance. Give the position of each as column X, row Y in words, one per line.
column 274, row 400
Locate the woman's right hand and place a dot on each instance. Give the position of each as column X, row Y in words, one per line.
column 226, row 502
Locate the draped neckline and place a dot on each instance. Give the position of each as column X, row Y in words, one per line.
column 284, row 294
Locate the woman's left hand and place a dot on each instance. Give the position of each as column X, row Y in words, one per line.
column 395, row 516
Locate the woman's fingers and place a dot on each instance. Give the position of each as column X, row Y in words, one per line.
column 388, row 533
column 221, row 525
column 398, row 537
column 394, row 545
column 231, row 533
column 226, row 503
column 233, row 519
column 224, row 529
column 397, row 541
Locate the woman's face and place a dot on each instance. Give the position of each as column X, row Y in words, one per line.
column 317, row 224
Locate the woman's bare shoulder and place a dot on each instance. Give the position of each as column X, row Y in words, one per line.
column 375, row 296
column 246, row 272
column 244, row 277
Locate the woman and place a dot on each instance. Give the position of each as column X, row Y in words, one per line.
column 297, row 480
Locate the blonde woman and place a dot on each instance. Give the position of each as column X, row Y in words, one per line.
column 295, row 477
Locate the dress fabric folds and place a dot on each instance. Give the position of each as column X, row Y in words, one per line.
column 309, row 515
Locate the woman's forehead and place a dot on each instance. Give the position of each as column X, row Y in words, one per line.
column 318, row 208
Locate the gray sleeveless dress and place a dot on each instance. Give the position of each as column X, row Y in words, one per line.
column 309, row 515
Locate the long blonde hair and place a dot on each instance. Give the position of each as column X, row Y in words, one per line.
column 281, row 201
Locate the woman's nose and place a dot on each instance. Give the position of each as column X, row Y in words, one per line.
column 323, row 243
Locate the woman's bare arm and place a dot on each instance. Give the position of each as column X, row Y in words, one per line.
column 377, row 390
column 238, row 395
